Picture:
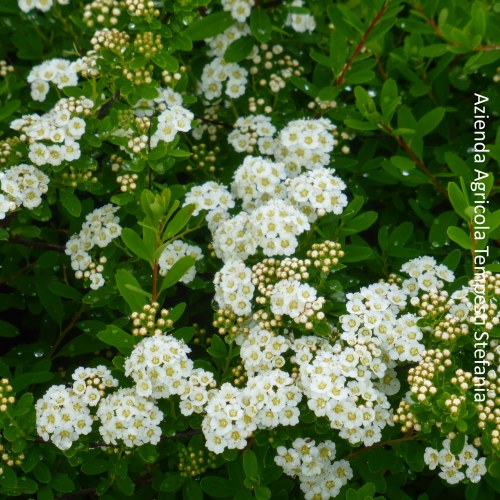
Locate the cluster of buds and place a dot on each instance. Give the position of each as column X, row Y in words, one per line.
column 322, row 105
column 127, row 182
column 92, row 269
column 145, row 322
column 139, row 75
column 9, row 457
column 267, row 320
column 6, row 149
column 148, row 44
column 489, row 310
column 449, row 317
column 5, row 68
column 240, row 375
column 172, row 78
column 343, row 137
column 111, row 39
column 325, row 255
column 102, row 12
column 202, row 158
column 200, row 335
column 193, row 462
column 73, row 177
column 209, row 123
column 228, row 323
column 454, row 402
column 116, row 162
column 142, row 8
column 75, row 105
column 6, row 396
column 281, row 67
column 258, row 106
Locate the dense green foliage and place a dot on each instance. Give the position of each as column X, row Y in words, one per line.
column 405, row 84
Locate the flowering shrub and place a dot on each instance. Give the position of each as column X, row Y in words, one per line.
column 249, row 249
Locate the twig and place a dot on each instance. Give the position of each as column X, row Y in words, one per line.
column 379, row 445
column 68, row 328
column 36, row 244
column 360, row 46
column 416, row 159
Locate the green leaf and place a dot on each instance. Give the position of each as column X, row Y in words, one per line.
column 95, row 467
column 239, row 49
column 134, row 243
column 125, row 485
column 65, row 291
column 457, row 444
column 192, row 491
column 8, row 330
column 118, row 338
column 7, row 109
column 218, row 487
column 127, row 286
column 218, row 348
column 389, row 99
column 356, row 253
column 430, row 121
column 62, row 483
column 70, row 202
column 364, row 101
column 172, row 482
column 360, row 222
column 42, row 473
column 209, row 26
column 359, row 124
column 179, row 222
column 459, row 236
column 250, row 464
column 458, row 200
column 177, row 271
column 478, row 18
column 403, row 163
column 260, row 25
column 166, row 61
column 23, row 405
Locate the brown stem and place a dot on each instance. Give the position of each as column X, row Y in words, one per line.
column 360, row 46
column 36, row 244
column 17, row 273
column 416, row 159
column 379, row 445
column 66, row 330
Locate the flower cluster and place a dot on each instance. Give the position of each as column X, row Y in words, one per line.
column 6, row 396
column 300, row 22
column 451, row 465
column 175, row 251
column 127, row 416
column 251, row 131
column 171, row 121
column 61, row 72
column 320, row 476
column 22, row 185
column 100, row 227
column 53, row 137
column 239, row 9
column 217, row 72
column 42, row 5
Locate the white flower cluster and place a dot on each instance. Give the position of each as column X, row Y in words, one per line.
column 251, row 131
column 100, row 227
column 452, row 466
column 53, row 136
column 257, row 181
column 167, row 98
column 171, row 121
column 175, row 251
column 300, row 22
column 217, row 72
column 317, row 192
column 218, row 44
column 63, row 415
column 425, row 275
column 42, row 5
column 239, row 9
column 320, row 476
column 209, row 196
column 159, row 366
column 337, row 382
column 298, row 300
column 129, row 417
column 234, row 288
column 262, row 351
column 232, row 414
column 89, row 383
column 61, row 72
column 22, row 185
column 305, row 143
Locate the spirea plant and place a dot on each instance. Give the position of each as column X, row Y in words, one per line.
column 249, row 249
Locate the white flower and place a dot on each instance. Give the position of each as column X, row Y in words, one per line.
column 175, row 251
